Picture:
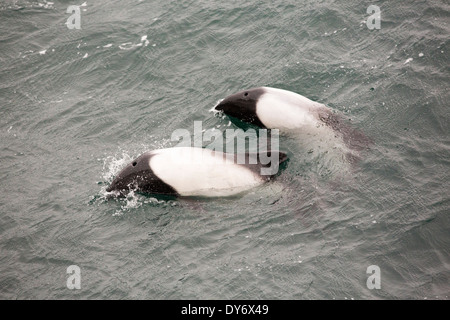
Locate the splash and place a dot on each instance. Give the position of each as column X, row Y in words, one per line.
column 113, row 164
column 130, row 202
column 217, row 113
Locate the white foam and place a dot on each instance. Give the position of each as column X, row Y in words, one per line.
column 132, row 201
column 129, row 45
column 144, row 40
column 213, row 109
column 126, row 46
column 408, row 60
column 112, row 165
column 107, row 45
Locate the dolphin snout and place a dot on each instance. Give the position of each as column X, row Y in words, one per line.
column 220, row 106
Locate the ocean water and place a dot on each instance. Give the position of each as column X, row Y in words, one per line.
column 77, row 104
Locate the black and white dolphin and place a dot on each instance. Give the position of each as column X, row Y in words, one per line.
column 194, row 172
column 290, row 112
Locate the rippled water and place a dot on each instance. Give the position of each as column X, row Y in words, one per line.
column 77, row 105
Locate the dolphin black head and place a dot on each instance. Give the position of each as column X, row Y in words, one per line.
column 139, row 176
column 242, row 105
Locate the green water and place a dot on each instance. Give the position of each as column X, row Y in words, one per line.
column 77, row 105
